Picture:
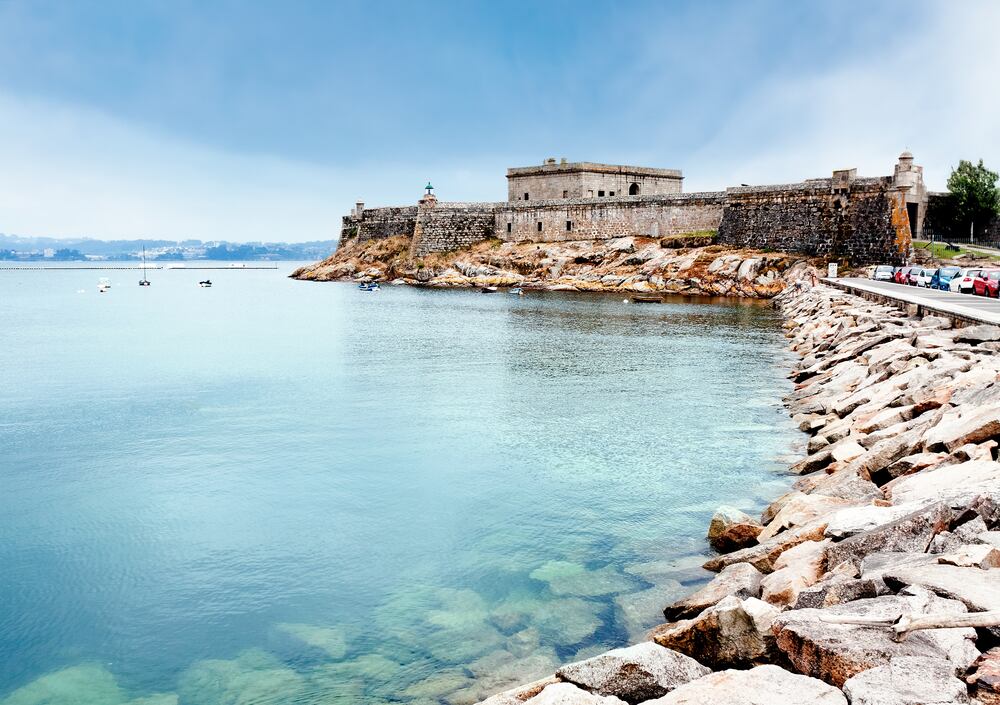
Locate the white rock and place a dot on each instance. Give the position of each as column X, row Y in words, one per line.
column 907, row 680
column 636, row 673
column 763, row 685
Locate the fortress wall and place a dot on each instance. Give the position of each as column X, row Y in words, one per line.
column 866, row 223
column 602, row 219
column 379, row 223
column 450, row 226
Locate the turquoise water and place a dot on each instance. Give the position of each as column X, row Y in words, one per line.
column 284, row 492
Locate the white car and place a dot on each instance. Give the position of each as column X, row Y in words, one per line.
column 883, row 273
column 962, row 282
column 923, row 278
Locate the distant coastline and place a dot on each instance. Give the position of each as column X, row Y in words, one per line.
column 14, row 248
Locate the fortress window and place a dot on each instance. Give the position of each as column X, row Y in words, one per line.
column 590, row 193
column 525, row 195
column 509, row 225
column 565, row 194
column 539, row 226
column 600, row 193
column 611, row 193
column 633, row 190
column 569, row 225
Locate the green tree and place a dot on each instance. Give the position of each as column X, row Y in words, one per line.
column 974, row 199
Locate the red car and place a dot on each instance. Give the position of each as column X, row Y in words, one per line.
column 987, row 283
column 910, row 275
column 899, row 276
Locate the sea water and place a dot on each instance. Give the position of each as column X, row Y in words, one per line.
column 274, row 491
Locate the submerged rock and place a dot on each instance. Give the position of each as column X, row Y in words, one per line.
column 567, row 578
column 635, row 673
column 740, row 580
column 763, row 685
column 331, row 640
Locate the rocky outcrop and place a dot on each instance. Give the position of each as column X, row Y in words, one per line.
column 628, row 264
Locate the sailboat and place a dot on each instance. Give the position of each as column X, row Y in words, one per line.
column 144, row 281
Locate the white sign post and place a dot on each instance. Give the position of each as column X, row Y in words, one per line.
column 831, row 270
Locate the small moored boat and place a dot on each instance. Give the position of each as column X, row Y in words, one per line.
column 647, row 299
column 490, row 290
column 369, row 286
column 516, row 291
column 205, row 284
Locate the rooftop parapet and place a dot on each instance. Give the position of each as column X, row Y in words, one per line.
column 564, row 167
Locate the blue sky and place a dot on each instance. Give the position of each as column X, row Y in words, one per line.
column 267, row 120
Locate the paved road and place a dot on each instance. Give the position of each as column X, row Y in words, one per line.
column 963, row 306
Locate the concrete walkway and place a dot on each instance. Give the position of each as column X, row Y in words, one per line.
column 960, row 307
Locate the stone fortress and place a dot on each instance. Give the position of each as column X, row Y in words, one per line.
column 860, row 220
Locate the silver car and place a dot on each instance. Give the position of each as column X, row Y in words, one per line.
column 883, row 273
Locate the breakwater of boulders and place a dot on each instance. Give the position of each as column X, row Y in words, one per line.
column 876, row 579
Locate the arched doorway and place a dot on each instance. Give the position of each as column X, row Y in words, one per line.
column 633, row 190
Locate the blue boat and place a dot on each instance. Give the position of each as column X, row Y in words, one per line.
column 369, row 286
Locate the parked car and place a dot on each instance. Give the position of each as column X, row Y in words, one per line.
column 962, row 282
column 899, row 275
column 943, row 278
column 987, row 283
column 883, row 273
column 911, row 275
column 923, row 277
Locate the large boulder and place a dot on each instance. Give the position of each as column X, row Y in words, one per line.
column 798, row 509
column 763, row 555
column 634, row 674
column 964, row 425
column 977, row 334
column 912, row 532
column 763, row 685
column 740, row 580
column 984, row 678
column 958, row 485
column 977, row 589
column 855, row 520
column 907, row 680
column 733, row 633
column 835, row 652
column 795, row 570
column 732, row 529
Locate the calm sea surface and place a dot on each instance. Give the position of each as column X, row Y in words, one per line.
column 274, row 491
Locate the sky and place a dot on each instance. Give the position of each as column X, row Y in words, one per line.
column 245, row 121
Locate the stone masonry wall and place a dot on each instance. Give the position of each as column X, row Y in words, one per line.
column 379, row 223
column 450, row 226
column 602, row 219
column 865, row 224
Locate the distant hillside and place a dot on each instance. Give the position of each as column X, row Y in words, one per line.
column 32, row 249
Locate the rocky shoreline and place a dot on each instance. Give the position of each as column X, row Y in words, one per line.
column 876, row 579
column 677, row 265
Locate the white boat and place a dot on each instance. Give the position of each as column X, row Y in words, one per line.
column 144, row 281
column 205, row 284
column 103, row 285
